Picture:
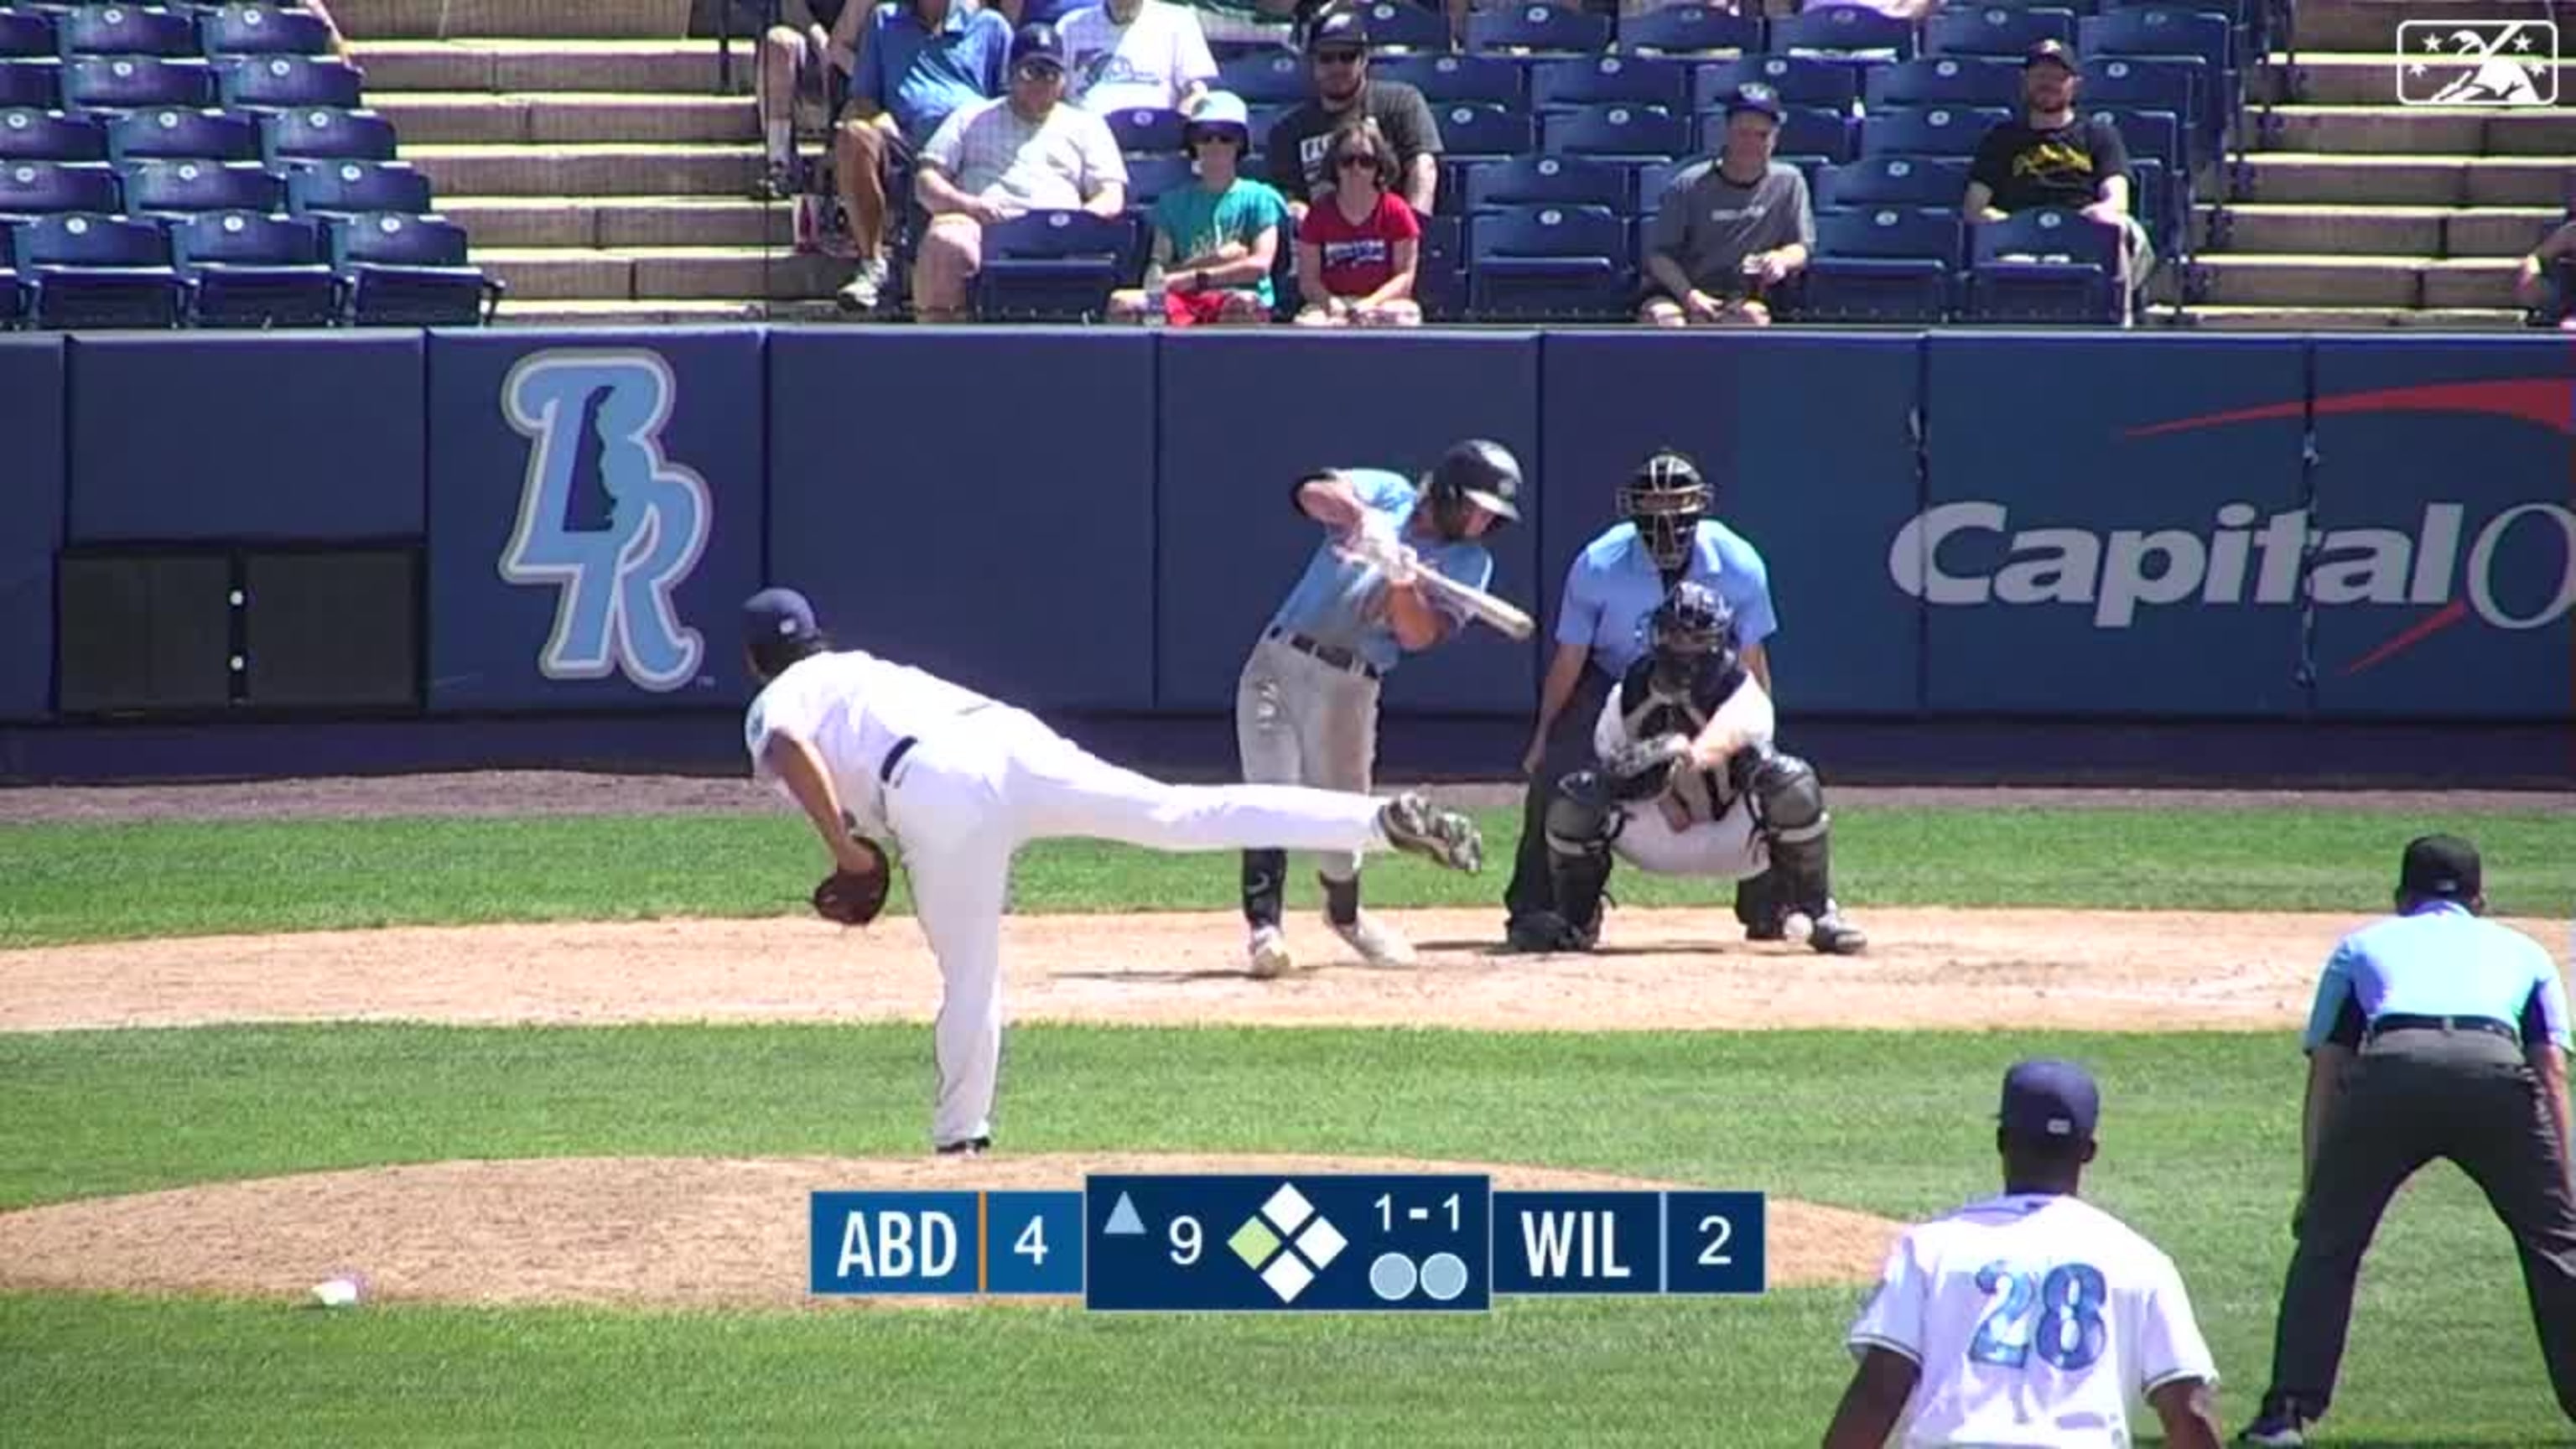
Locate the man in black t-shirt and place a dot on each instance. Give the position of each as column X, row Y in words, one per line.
column 2052, row 156
column 1337, row 50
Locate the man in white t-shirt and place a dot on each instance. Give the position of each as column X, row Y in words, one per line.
column 2032, row 1320
column 1136, row 55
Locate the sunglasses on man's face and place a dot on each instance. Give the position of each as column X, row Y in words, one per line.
column 1337, row 57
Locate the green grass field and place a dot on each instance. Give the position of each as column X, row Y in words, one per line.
column 2199, row 1152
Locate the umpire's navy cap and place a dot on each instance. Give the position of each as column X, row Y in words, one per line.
column 2443, row 866
column 773, row 615
column 2049, row 1101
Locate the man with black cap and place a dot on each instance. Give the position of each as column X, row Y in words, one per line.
column 1729, row 229
column 2033, row 1317
column 1300, row 145
column 2052, row 156
column 868, row 747
column 2433, row 1034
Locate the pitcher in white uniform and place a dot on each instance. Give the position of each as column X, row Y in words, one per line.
column 960, row 781
column 2030, row 1320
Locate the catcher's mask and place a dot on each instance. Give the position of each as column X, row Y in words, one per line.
column 1478, row 471
column 1690, row 626
column 1666, row 499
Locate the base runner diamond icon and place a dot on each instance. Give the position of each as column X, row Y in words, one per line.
column 2477, row 63
column 1253, row 1243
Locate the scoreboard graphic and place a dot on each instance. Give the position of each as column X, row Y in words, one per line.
column 1298, row 1242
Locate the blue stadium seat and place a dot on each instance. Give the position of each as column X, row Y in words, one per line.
column 49, row 136
column 135, row 83
column 1259, row 120
column 411, row 271
column 2002, row 30
column 1532, row 262
column 1148, row 177
column 98, row 271
column 28, row 34
column 1882, row 264
column 204, row 135
column 13, row 293
column 1483, row 130
column 1439, row 270
column 322, row 133
column 1807, row 134
column 2152, row 200
column 1617, row 130
column 1931, row 131
column 1538, row 29
column 1610, row 80
column 1443, row 79
column 1656, row 177
column 1947, row 80
column 45, row 188
column 354, row 188
column 2172, row 31
column 1053, row 266
column 1916, row 181
column 1689, row 30
column 128, row 30
column 277, row 82
column 2159, row 135
column 1548, row 181
column 36, row 84
column 1146, row 132
column 2046, row 265
column 264, row 30
column 2180, row 84
column 249, row 269
column 1800, row 80
column 1403, row 25
column 165, row 185
column 1272, row 77
column 1843, row 30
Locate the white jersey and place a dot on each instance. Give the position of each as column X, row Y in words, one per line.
column 852, row 707
column 1145, row 64
column 2037, row 1320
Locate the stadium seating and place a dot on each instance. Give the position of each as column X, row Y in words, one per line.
column 99, row 271
column 1843, row 30
column 1550, row 262
column 1637, row 132
column 1444, row 79
column 1915, row 181
column 1689, row 30
column 166, row 186
column 2043, row 266
column 1930, row 131
column 1053, row 266
column 1272, row 77
column 1946, row 80
column 264, row 30
column 1400, row 24
column 1146, row 132
column 285, row 81
column 1800, row 80
column 410, row 271
column 1549, row 181
column 249, row 269
column 1540, row 29
column 1610, row 81
column 353, row 188
column 1996, row 30
column 1882, row 264
column 45, row 188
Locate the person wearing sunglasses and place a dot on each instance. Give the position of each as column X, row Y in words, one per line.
column 1216, row 242
column 1300, row 145
column 1359, row 245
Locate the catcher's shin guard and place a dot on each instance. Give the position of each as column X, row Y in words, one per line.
column 1581, row 823
column 1265, row 886
column 1789, row 803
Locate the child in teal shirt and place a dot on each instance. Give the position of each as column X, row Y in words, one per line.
column 1216, row 242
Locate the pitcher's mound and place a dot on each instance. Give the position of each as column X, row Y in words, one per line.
column 624, row 1231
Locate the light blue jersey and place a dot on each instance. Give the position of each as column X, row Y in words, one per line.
column 2439, row 960
column 1338, row 601
column 1613, row 585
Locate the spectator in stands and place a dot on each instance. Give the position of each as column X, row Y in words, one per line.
column 1136, row 54
column 993, row 160
column 1215, row 243
column 2541, row 283
column 1300, row 145
column 1726, row 230
column 797, row 72
column 2051, row 156
column 1360, row 244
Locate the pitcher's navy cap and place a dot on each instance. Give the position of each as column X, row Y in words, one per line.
column 2049, row 1101
column 775, row 614
column 2443, row 866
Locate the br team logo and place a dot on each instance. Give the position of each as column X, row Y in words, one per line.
column 2477, row 63
column 604, row 517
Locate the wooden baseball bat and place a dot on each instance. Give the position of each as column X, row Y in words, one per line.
column 1500, row 614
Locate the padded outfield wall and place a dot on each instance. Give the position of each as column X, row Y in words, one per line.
column 2322, row 536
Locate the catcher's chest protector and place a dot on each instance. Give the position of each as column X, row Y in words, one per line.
column 1646, row 713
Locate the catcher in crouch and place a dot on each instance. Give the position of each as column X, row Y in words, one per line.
column 1688, row 784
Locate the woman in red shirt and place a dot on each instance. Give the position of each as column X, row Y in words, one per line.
column 1359, row 245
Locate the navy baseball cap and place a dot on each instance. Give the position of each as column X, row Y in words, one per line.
column 775, row 614
column 2049, row 50
column 1755, row 97
column 1340, row 26
column 1037, row 40
column 2049, row 1101
column 2443, row 867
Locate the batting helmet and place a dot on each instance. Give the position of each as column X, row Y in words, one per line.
column 1478, row 471
column 1666, row 498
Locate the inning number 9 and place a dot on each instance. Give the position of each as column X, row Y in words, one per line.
column 1187, row 1240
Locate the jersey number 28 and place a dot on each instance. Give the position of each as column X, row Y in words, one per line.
column 2059, row 1316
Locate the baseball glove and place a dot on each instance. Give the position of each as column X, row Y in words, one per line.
column 1644, row 769
column 856, row 898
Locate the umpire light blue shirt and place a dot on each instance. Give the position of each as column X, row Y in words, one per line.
column 1337, row 601
column 2439, row 960
column 1613, row 585
column 919, row 77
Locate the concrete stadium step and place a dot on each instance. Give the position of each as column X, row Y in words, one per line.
column 2371, row 25
column 623, row 221
column 2296, row 176
column 2305, row 280
column 2393, row 130
column 2344, row 79
column 2431, row 231
column 465, row 117
column 594, row 170
column 450, row 19
column 2346, row 319
column 677, row 67
column 686, row 273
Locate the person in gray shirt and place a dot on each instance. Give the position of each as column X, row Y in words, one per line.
column 1728, row 230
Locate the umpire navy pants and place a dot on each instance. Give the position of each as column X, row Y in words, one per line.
column 2414, row 1095
column 1532, row 890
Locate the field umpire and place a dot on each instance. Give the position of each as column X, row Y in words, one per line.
column 2434, row 1034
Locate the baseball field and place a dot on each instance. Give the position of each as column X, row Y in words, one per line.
column 550, row 1063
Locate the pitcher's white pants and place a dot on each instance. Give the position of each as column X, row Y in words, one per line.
column 1727, row 848
column 963, row 801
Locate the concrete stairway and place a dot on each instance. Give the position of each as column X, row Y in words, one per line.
column 2354, row 211
column 586, row 149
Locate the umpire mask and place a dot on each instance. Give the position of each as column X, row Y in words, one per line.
column 1665, row 499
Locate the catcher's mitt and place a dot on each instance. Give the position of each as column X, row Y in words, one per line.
column 1644, row 769
column 855, row 898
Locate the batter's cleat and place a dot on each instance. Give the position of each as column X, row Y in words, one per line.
column 971, row 1147
column 2277, row 1429
column 1268, row 951
column 1412, row 824
column 1831, row 935
column 1377, row 943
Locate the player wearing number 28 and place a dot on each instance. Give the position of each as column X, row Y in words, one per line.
column 2031, row 1319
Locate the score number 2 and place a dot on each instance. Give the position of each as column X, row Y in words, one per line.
column 1722, row 1229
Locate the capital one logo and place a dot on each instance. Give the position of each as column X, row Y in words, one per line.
column 604, row 517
